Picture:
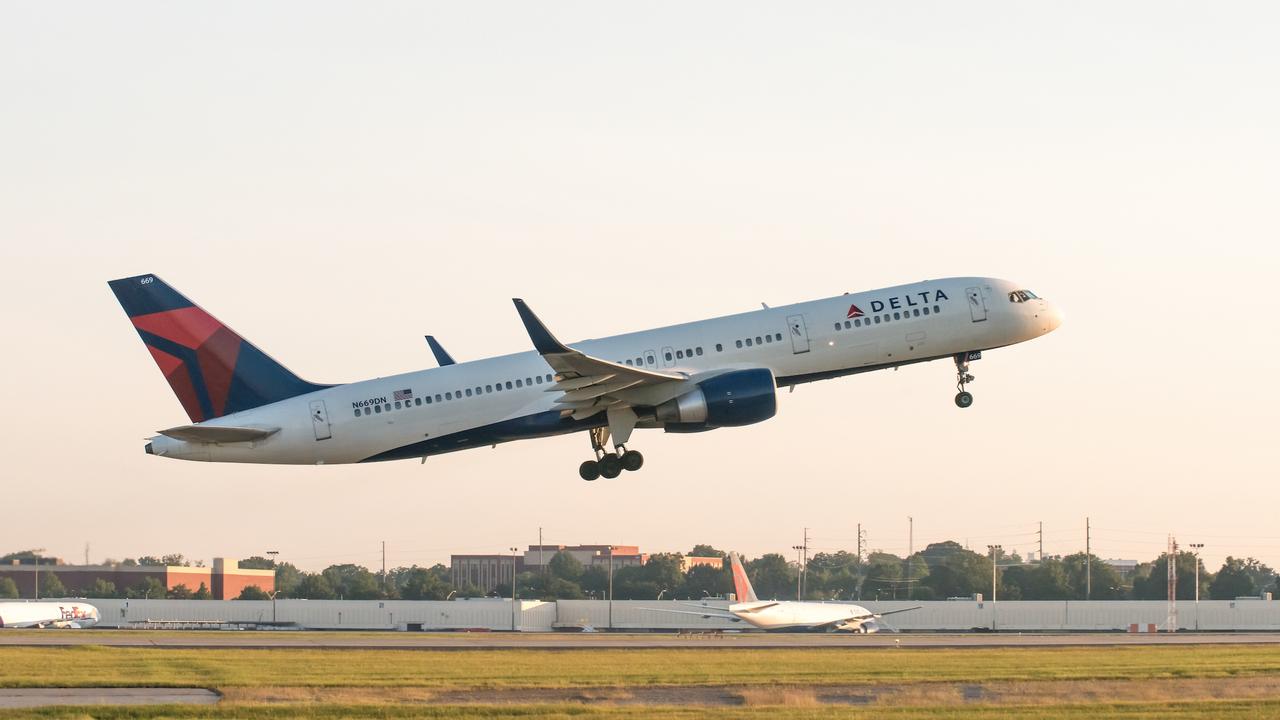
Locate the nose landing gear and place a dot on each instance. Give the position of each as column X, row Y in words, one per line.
column 608, row 464
column 963, row 397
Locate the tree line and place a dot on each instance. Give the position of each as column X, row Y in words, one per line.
column 940, row 571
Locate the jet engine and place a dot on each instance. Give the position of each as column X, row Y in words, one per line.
column 741, row 397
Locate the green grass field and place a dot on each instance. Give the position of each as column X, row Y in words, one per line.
column 775, row 683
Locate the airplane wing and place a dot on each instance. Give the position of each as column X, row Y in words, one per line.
column 217, row 433
column 442, row 356
column 894, row 612
column 589, row 384
column 725, row 615
column 757, row 608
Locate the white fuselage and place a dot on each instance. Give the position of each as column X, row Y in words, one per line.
column 794, row 615
column 43, row 613
column 504, row 398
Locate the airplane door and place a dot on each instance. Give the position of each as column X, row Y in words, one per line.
column 668, row 357
column 799, row 334
column 320, row 420
column 977, row 305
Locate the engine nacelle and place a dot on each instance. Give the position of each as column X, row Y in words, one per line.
column 733, row 399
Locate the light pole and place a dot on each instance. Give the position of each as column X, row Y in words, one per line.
column 35, row 555
column 610, row 587
column 513, row 589
column 275, row 585
column 994, row 550
column 799, row 568
column 1195, row 548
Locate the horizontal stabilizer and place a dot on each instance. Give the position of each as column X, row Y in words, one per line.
column 217, row 434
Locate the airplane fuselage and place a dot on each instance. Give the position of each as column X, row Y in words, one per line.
column 500, row 399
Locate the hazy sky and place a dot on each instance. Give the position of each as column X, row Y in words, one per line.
column 334, row 180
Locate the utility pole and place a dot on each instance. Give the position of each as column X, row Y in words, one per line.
column 35, row 555
column 541, row 565
column 513, row 589
column 384, row 567
column 610, row 587
column 1040, row 533
column 86, row 553
column 995, row 550
column 804, row 566
column 859, row 543
column 275, row 584
column 1171, row 562
column 1088, row 561
column 799, row 569
column 911, row 550
column 1196, row 548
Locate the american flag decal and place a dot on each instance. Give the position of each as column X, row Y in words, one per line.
column 403, row 395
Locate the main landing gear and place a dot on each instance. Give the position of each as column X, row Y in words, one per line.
column 964, row 398
column 608, row 464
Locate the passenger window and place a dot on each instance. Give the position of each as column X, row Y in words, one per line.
column 916, row 312
column 367, row 411
column 387, row 407
column 877, row 319
column 847, row 324
column 926, row 310
column 688, row 352
column 639, row 362
column 778, row 337
column 549, row 380
column 667, row 356
column 448, row 396
column 757, row 339
column 377, row 409
column 357, row 412
column 837, row 326
column 719, row 347
column 487, row 388
column 519, row 382
column 438, row 400
column 418, row 403
column 648, row 359
column 739, row 343
column 468, row 392
column 509, row 387
column 429, row 402
column 897, row 316
column 768, row 338
column 936, row 309
column 698, row 351
column 679, row 354
column 748, row 342
column 397, row 404
column 539, row 379
column 628, row 362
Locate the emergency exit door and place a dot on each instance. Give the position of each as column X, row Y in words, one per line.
column 320, row 420
column 977, row 304
column 799, row 334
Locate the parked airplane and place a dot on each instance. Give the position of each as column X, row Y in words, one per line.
column 41, row 614
column 787, row 614
column 246, row 407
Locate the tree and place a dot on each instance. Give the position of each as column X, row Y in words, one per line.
column 706, row 551
column 595, row 581
column 565, row 566
column 704, row 580
column 883, row 578
column 1102, row 583
column 51, row 586
column 146, row 588
column 8, row 589
column 1233, row 580
column 253, row 592
column 1155, row 584
column 418, row 583
column 257, row 562
column 287, row 578
column 180, row 592
column 148, row 560
column 772, row 577
column 202, row 593
column 101, row 589
column 314, row 586
column 175, row 559
column 953, row 571
column 353, row 582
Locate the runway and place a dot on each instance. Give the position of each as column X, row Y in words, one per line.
column 581, row 641
column 39, row 697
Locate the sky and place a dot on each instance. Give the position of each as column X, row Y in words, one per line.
column 334, row 180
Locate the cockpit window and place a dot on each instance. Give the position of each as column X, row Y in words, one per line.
column 1018, row 296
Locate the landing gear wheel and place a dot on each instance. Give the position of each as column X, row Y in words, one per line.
column 589, row 470
column 610, row 466
column 632, row 460
column 964, row 399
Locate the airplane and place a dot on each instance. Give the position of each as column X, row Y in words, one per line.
column 40, row 614
column 245, row 407
column 788, row 615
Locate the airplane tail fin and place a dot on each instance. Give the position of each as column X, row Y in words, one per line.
column 741, row 583
column 212, row 370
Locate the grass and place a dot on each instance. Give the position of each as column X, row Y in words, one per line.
column 1140, row 711
column 223, row 668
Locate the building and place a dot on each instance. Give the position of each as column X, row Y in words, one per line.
column 1123, row 568
column 489, row 571
column 224, row 581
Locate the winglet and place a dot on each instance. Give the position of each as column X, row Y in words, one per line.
column 442, row 356
column 543, row 341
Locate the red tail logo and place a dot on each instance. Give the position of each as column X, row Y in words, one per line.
column 854, row 311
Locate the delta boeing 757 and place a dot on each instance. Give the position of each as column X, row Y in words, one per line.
column 724, row 372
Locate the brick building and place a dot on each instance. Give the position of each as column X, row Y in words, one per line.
column 224, row 581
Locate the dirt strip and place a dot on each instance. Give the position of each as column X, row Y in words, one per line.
column 911, row 694
column 39, row 697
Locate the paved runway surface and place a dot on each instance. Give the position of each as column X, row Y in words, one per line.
column 575, row 641
column 36, row 697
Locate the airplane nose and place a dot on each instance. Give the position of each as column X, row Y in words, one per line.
column 1052, row 317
